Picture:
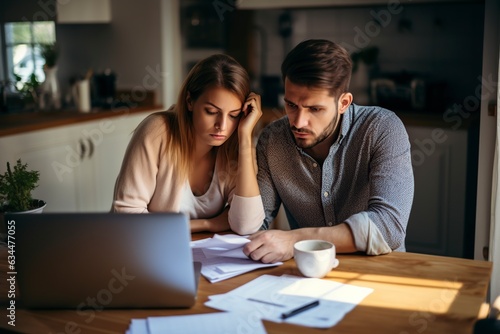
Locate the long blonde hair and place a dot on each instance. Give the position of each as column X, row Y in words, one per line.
column 215, row 71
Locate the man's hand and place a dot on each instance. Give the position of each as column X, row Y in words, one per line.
column 270, row 246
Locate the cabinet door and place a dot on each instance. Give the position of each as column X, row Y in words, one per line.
column 109, row 139
column 54, row 153
column 437, row 220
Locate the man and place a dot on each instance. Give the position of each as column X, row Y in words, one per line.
column 342, row 171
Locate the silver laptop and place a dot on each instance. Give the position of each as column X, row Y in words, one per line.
column 104, row 260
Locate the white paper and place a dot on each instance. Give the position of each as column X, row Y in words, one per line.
column 208, row 323
column 138, row 326
column 222, row 257
column 267, row 297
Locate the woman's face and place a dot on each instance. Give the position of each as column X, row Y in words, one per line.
column 216, row 114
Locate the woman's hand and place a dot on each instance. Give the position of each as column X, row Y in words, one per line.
column 251, row 114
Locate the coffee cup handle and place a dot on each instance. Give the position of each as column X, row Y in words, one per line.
column 336, row 263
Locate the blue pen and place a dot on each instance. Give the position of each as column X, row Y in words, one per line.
column 298, row 310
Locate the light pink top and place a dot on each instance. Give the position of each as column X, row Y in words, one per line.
column 147, row 182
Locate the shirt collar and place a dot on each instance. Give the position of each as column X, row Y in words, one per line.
column 346, row 123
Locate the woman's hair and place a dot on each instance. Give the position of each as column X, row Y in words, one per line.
column 319, row 63
column 215, row 71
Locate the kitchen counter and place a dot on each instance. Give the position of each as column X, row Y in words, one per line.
column 11, row 124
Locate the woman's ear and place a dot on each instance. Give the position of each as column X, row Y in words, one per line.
column 189, row 102
column 345, row 101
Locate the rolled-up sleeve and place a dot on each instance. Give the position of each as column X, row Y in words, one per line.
column 246, row 214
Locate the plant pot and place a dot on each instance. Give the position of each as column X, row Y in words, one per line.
column 38, row 205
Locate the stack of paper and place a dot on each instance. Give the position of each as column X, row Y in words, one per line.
column 222, row 257
column 268, row 297
column 208, row 323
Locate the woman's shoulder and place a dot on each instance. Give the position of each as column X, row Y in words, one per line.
column 158, row 121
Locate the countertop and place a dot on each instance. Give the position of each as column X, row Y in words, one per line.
column 11, row 124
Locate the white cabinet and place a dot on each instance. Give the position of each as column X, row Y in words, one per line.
column 438, row 221
column 78, row 164
column 84, row 11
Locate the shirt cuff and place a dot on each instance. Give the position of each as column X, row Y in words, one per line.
column 246, row 214
column 367, row 236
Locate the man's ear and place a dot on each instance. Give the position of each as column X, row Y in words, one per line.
column 345, row 101
column 189, row 102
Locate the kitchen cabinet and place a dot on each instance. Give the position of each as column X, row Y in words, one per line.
column 78, row 164
column 440, row 221
column 84, row 11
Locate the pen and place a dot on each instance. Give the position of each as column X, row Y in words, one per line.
column 299, row 309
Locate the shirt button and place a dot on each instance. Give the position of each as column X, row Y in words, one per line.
column 325, row 194
column 315, row 165
column 330, row 223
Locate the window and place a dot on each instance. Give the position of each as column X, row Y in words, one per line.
column 23, row 42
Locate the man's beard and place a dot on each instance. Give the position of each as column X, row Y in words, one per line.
column 327, row 132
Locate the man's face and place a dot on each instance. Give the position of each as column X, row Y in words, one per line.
column 313, row 114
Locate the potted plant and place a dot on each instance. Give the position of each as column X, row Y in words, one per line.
column 16, row 186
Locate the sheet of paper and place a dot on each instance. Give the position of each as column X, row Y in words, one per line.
column 267, row 297
column 138, row 326
column 229, row 245
column 222, row 257
column 208, row 323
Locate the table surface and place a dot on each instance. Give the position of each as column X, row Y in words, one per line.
column 413, row 293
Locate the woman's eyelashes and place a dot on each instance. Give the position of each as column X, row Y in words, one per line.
column 236, row 115
column 211, row 112
column 215, row 112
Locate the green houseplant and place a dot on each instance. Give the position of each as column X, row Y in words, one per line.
column 16, row 186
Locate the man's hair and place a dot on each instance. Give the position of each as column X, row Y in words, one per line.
column 319, row 63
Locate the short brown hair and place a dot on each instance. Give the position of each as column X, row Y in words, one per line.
column 319, row 63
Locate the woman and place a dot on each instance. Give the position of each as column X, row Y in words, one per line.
column 188, row 158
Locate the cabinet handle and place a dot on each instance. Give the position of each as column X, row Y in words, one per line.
column 83, row 149
column 91, row 147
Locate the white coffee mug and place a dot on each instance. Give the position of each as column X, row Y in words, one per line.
column 315, row 258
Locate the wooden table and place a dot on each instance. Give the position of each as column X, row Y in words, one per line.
column 413, row 293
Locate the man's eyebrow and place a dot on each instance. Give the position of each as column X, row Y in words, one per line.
column 311, row 106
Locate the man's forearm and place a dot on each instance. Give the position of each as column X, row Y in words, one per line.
column 340, row 235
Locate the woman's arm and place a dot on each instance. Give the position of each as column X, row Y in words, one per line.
column 136, row 182
column 216, row 224
column 246, row 194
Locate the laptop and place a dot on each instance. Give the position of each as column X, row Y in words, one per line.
column 104, row 260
